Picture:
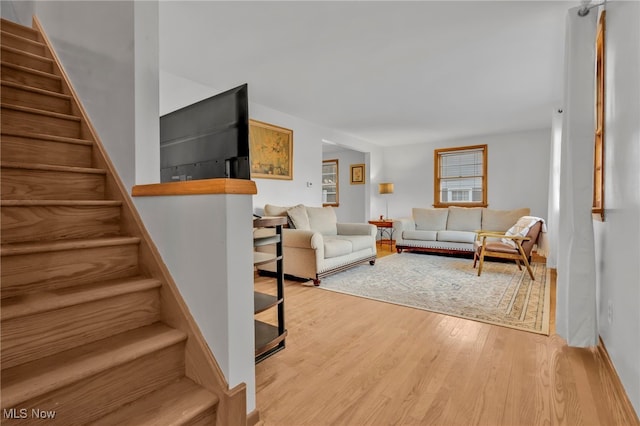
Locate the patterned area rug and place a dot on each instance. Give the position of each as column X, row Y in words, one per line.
column 502, row 295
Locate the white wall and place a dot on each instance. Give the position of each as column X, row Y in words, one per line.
column 147, row 84
column 617, row 249
column 353, row 198
column 518, row 169
column 206, row 242
column 95, row 42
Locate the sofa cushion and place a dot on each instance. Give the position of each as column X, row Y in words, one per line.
column 501, row 220
column 430, row 219
column 323, row 220
column 298, row 217
column 271, row 210
column 457, row 236
column 334, row 247
column 464, row 219
column 420, row 235
column 358, row 242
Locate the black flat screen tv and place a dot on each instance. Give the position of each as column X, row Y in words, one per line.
column 208, row 139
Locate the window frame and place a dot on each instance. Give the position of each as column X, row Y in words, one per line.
column 597, row 207
column 437, row 153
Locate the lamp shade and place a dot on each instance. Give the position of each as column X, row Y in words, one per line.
column 385, row 188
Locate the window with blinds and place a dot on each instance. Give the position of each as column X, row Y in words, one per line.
column 460, row 176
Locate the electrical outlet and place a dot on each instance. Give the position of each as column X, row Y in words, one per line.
column 610, row 312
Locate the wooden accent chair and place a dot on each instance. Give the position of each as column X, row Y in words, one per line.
column 490, row 244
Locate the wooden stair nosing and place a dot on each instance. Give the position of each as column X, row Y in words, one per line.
column 69, row 203
column 21, row 38
column 31, row 70
column 16, row 249
column 8, row 26
column 35, row 111
column 26, row 381
column 172, row 405
column 45, row 137
column 51, row 168
column 35, row 303
column 38, row 90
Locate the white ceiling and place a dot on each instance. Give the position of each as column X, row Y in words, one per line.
column 389, row 72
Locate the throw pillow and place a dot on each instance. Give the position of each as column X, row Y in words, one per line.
column 298, row 217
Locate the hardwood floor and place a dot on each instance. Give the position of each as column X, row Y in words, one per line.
column 353, row 361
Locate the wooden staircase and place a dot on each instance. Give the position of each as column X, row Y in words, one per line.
column 93, row 329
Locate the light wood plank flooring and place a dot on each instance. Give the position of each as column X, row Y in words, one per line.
column 353, row 361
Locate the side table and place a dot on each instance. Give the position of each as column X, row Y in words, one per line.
column 385, row 226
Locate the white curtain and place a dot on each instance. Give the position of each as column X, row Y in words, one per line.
column 576, row 313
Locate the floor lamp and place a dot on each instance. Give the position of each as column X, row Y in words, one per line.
column 386, row 188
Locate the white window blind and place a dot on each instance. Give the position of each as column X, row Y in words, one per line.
column 460, row 175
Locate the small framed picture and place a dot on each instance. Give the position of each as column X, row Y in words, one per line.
column 357, row 174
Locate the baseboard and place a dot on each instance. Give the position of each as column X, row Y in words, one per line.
column 629, row 412
column 253, row 418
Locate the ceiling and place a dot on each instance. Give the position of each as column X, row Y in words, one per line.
column 389, row 72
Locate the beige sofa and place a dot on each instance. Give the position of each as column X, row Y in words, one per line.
column 450, row 230
column 316, row 245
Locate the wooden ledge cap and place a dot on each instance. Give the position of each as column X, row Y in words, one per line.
column 196, row 187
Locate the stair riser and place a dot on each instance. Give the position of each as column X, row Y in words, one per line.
column 27, row 273
column 14, row 120
column 47, row 223
column 19, row 30
column 46, row 82
column 25, row 150
column 33, row 337
column 15, row 96
column 96, row 396
column 19, row 58
column 23, row 184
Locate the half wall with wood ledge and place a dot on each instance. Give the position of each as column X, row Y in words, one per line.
column 203, row 230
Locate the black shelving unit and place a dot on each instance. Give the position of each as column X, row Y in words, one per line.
column 269, row 338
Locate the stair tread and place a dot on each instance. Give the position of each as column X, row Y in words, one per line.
column 23, row 52
column 22, row 86
column 71, row 203
column 30, row 110
column 30, row 70
column 8, row 23
column 34, row 303
column 172, row 405
column 13, row 249
column 42, row 136
column 35, row 42
column 26, row 381
column 50, row 167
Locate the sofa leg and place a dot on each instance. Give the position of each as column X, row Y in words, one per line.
column 316, row 282
column 399, row 250
column 372, row 262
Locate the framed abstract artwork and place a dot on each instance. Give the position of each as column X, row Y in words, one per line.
column 271, row 151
